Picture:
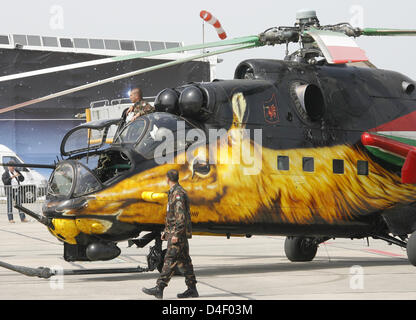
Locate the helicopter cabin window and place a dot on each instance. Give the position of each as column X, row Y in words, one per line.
column 362, row 168
column 283, row 163
column 338, row 166
column 308, row 164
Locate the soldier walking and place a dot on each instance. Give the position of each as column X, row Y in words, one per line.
column 178, row 229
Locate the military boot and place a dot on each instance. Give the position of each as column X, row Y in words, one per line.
column 155, row 291
column 191, row 292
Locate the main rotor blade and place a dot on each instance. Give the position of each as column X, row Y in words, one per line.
column 126, row 75
column 387, row 32
column 235, row 41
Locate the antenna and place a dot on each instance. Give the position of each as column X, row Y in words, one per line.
column 203, row 37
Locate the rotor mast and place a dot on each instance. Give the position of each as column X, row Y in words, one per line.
column 305, row 20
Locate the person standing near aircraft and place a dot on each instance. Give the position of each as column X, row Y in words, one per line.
column 11, row 179
column 178, row 229
column 140, row 107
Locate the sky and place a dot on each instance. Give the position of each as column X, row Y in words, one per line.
column 179, row 21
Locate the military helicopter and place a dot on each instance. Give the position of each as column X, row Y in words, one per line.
column 327, row 150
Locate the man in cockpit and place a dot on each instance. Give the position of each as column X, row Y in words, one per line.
column 140, row 107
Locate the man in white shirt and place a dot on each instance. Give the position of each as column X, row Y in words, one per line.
column 11, row 179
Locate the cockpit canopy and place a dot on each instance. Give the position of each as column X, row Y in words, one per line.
column 148, row 132
column 89, row 136
column 91, row 167
column 72, row 178
column 131, row 132
column 143, row 135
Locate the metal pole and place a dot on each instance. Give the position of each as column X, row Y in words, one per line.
column 203, row 36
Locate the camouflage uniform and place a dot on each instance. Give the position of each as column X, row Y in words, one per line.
column 178, row 224
column 142, row 107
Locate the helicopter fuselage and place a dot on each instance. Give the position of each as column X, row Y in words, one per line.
column 304, row 170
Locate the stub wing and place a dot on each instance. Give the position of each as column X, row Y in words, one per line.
column 394, row 149
column 395, row 142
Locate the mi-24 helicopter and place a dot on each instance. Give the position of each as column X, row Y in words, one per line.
column 316, row 146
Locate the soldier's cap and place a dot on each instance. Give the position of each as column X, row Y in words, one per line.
column 173, row 175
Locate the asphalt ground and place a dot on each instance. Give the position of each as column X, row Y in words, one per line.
column 226, row 269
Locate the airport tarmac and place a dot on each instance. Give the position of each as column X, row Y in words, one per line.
column 226, row 269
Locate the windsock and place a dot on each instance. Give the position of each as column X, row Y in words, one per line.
column 208, row 17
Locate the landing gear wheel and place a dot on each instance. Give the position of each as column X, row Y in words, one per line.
column 411, row 248
column 299, row 249
column 160, row 265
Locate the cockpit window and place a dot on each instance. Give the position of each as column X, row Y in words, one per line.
column 66, row 174
column 153, row 138
column 132, row 132
column 83, row 139
column 89, row 136
column 86, row 181
column 61, row 181
column 163, row 128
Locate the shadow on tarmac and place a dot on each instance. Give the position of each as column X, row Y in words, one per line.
column 221, row 270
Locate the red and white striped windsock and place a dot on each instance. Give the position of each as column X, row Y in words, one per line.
column 208, row 17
